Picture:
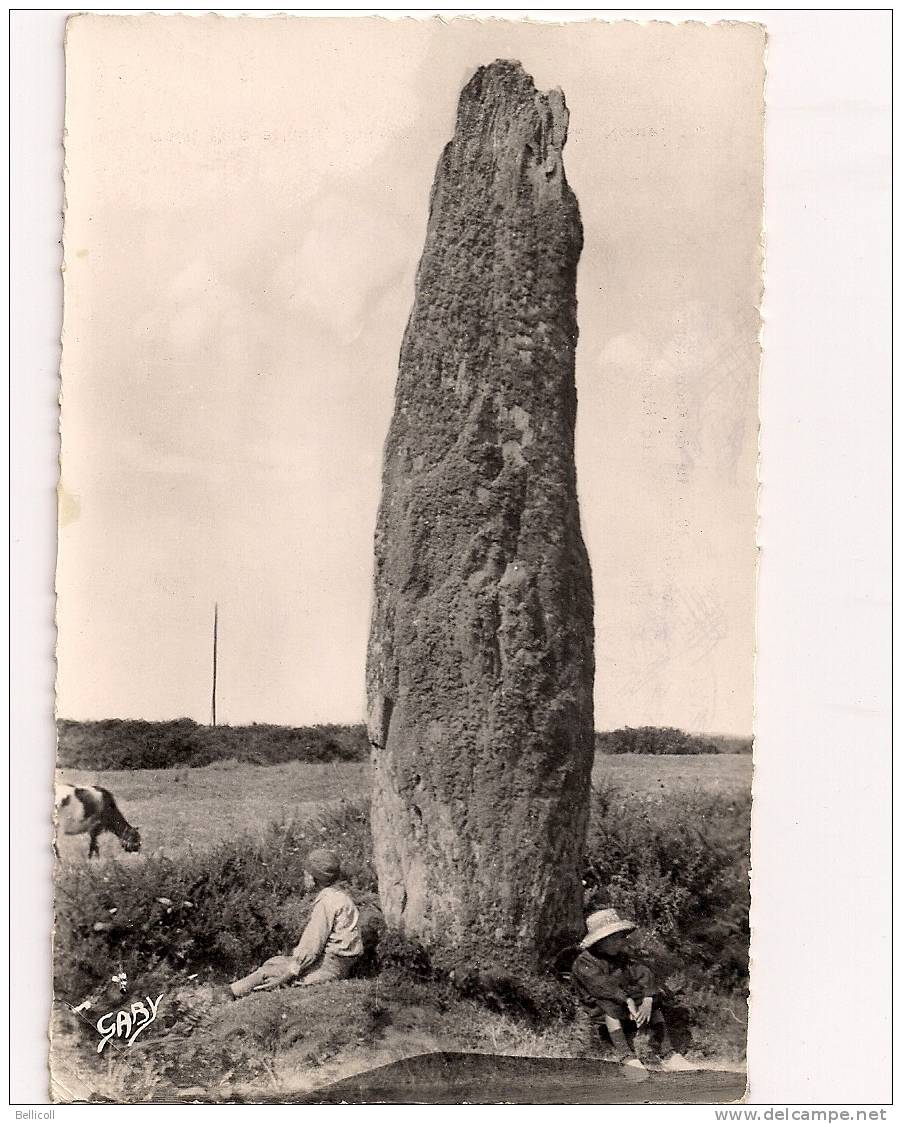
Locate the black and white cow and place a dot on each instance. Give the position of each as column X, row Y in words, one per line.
column 91, row 810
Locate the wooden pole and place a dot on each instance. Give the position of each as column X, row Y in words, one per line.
column 215, row 640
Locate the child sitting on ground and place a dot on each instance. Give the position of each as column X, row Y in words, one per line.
column 330, row 945
column 622, row 991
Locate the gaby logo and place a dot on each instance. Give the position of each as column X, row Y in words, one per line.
column 127, row 1023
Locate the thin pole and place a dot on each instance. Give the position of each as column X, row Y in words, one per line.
column 215, row 640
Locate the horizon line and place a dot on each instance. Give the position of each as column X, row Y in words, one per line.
column 361, row 722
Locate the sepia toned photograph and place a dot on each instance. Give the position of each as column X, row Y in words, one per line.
column 407, row 560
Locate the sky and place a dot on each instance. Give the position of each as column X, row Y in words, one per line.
column 246, row 203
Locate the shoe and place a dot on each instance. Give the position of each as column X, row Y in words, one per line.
column 634, row 1063
column 676, row 1063
column 223, row 994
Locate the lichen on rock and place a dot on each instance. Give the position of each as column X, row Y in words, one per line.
column 480, row 662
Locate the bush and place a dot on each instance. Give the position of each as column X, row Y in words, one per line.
column 681, row 871
column 115, row 743
column 678, row 868
column 215, row 914
column 125, row 744
column 536, row 1000
column 667, row 739
column 131, row 744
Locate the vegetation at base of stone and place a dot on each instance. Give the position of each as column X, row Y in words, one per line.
column 667, row 740
column 680, row 869
column 115, row 743
column 677, row 863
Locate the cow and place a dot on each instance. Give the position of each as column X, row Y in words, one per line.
column 92, row 810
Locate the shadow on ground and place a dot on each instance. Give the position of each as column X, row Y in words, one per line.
column 460, row 1078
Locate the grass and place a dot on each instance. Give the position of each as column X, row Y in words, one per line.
column 179, row 810
column 297, row 1040
column 218, row 887
column 662, row 778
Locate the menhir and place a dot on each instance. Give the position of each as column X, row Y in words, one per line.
column 480, row 662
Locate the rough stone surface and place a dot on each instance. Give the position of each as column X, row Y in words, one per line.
column 480, row 661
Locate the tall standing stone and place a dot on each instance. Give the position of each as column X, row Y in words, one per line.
column 480, row 662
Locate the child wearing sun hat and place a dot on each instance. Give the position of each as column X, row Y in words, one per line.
column 622, row 991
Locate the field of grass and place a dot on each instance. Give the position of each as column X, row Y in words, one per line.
column 218, row 886
column 181, row 809
column 178, row 810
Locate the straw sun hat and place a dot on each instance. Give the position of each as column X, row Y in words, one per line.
column 605, row 923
